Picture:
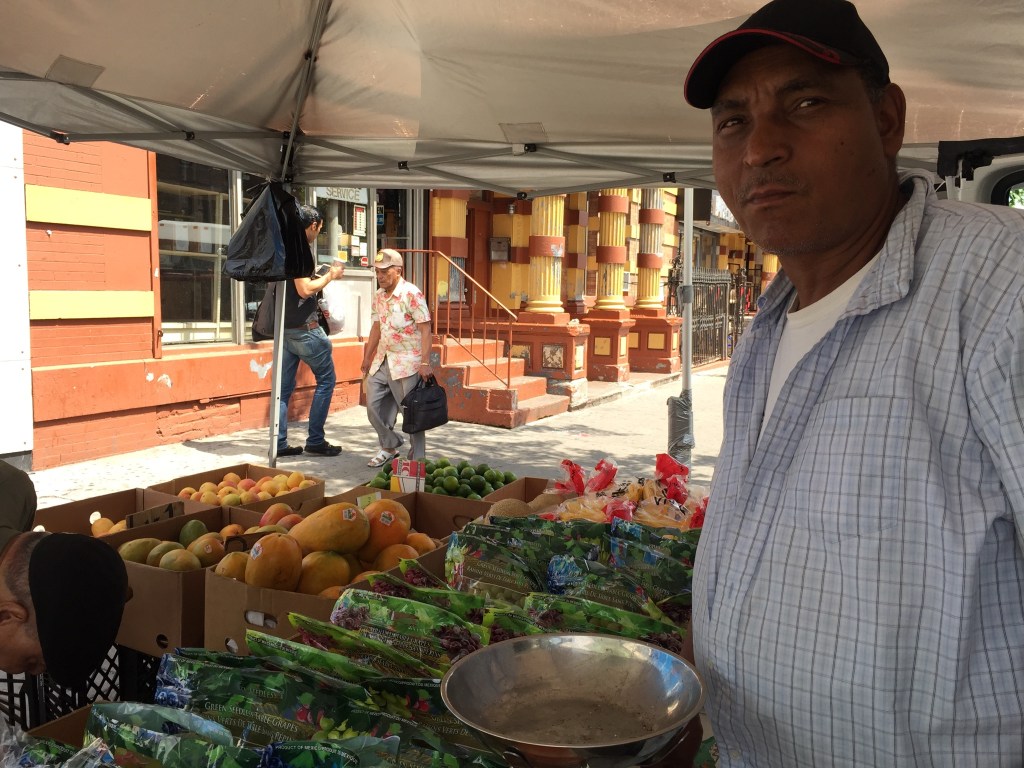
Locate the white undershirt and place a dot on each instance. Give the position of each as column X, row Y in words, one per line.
column 804, row 328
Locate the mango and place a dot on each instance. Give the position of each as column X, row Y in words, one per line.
column 208, row 549
column 191, row 531
column 161, row 549
column 232, row 565
column 180, row 560
column 341, row 527
column 137, row 550
column 321, row 570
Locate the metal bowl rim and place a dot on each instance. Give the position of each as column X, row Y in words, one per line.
column 693, row 712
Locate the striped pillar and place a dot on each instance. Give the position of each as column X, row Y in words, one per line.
column 650, row 257
column 574, row 264
column 547, row 248
column 612, row 212
column 448, row 235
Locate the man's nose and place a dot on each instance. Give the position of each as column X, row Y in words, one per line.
column 768, row 142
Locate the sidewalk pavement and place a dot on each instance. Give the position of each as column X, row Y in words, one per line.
column 626, row 422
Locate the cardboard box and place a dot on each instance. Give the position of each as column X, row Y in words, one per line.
column 254, row 471
column 233, row 607
column 167, row 608
column 524, row 489
column 69, row 729
column 73, row 517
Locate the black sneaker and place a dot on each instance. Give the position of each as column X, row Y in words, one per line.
column 289, row 450
column 324, row 450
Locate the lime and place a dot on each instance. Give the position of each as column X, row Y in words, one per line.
column 497, row 484
column 488, row 490
column 463, row 464
column 464, row 490
column 510, row 477
column 380, row 476
column 379, row 483
column 474, row 496
column 451, row 472
column 451, row 484
column 481, row 468
column 490, row 475
column 438, row 489
column 443, row 463
column 477, row 483
column 430, row 467
column 466, row 472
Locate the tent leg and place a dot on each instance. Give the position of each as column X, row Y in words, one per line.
column 275, row 374
column 680, row 409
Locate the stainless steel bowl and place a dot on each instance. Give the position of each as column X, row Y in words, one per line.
column 574, row 699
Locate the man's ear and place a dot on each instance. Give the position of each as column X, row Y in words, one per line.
column 12, row 612
column 891, row 116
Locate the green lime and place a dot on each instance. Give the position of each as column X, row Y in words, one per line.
column 474, row 496
column 488, row 490
column 481, row 468
column 430, row 467
column 379, row 483
column 443, row 463
column 451, row 484
column 477, row 483
column 490, row 475
column 464, row 490
column 439, row 490
column 463, row 464
column 497, row 484
column 510, row 477
column 451, row 472
column 380, row 476
column 466, row 472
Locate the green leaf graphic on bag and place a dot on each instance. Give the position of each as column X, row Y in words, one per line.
column 481, row 567
column 317, row 660
column 435, row 636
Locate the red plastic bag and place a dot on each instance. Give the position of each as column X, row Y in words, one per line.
column 572, row 481
column 665, row 467
column 604, row 474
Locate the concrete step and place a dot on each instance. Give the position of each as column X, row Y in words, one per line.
column 454, row 353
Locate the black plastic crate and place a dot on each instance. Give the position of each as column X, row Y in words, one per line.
column 125, row 675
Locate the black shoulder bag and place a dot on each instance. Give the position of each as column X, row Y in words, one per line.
column 425, row 407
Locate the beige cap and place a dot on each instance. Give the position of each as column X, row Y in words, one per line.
column 388, row 257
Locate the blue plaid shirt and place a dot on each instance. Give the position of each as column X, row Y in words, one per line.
column 859, row 587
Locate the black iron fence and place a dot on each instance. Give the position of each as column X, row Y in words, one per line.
column 712, row 318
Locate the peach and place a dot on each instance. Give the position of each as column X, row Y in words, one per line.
column 307, row 483
column 208, row 486
column 233, row 478
column 209, row 497
column 226, row 484
column 196, row 496
column 186, row 492
column 294, row 479
column 246, row 484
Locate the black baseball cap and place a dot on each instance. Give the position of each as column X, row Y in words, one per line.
column 830, row 30
column 78, row 585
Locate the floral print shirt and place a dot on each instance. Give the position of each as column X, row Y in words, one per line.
column 398, row 315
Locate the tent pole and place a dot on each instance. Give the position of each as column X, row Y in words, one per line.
column 275, row 373
column 680, row 409
column 319, row 23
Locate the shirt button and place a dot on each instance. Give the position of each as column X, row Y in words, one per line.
column 735, row 754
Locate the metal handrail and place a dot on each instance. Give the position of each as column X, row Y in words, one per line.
column 502, row 326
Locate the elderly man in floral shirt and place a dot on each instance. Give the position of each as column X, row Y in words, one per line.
column 396, row 355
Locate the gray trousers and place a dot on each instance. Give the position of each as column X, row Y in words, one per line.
column 384, row 395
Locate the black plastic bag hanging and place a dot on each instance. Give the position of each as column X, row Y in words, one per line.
column 270, row 244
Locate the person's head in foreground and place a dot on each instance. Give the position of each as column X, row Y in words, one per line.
column 62, row 596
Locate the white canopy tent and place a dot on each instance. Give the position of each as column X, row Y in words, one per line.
column 522, row 96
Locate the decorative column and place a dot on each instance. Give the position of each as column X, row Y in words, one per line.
column 609, row 321
column 448, row 235
column 543, row 335
column 574, row 264
column 547, row 248
column 654, row 341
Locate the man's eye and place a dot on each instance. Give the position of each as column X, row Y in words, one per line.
column 808, row 101
column 728, row 122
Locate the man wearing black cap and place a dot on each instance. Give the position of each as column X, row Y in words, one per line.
column 859, row 588
column 61, row 595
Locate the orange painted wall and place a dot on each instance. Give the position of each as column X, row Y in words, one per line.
column 106, row 386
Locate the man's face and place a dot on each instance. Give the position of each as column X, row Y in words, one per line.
column 387, row 277
column 802, row 156
column 313, row 230
column 19, row 644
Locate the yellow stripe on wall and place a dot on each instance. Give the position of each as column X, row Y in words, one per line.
column 52, row 205
column 89, row 305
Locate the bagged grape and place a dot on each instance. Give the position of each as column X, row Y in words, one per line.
column 363, row 650
column 333, row 664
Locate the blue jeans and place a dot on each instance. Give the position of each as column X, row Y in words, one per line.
column 314, row 349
